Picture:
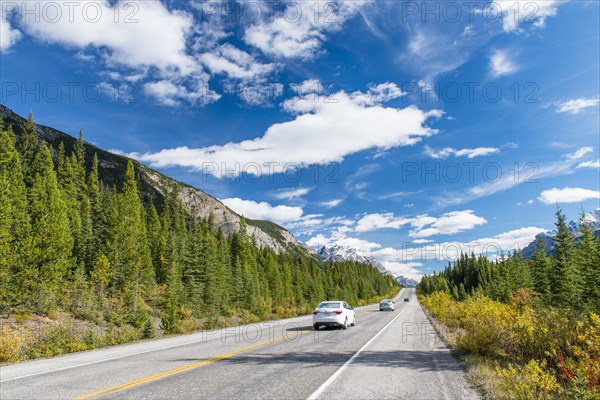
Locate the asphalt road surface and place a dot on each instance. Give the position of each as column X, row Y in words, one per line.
column 386, row 355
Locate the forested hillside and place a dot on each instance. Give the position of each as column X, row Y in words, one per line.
column 532, row 327
column 94, row 259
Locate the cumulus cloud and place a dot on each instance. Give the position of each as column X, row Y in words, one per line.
column 568, row 195
column 422, row 225
column 262, row 210
column 501, row 64
column 576, row 106
column 491, row 247
column 515, row 13
column 533, row 173
column 363, row 245
column 8, row 35
column 235, row 63
column 164, row 30
column 371, row 222
column 449, row 223
column 407, row 269
column 300, row 30
column 323, row 132
column 172, row 94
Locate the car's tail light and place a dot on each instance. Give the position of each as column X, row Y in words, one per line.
column 338, row 312
column 315, row 312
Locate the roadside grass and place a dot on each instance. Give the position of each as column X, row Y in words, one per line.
column 29, row 336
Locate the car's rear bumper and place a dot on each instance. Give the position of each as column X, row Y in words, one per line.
column 329, row 321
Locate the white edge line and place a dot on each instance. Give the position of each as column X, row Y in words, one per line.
column 337, row 373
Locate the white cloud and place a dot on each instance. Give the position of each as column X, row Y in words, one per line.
column 331, row 203
column 163, row 31
column 8, row 35
column 235, row 63
column 363, row 245
column 263, row 210
column 170, row 94
column 371, row 222
column 307, row 86
column 422, row 225
column 582, row 151
column 576, row 106
column 407, row 270
column 589, row 164
column 533, row 173
column 501, row 64
column 449, row 251
column 300, row 31
column 568, row 195
column 517, row 12
column 526, row 203
column 292, row 193
column 449, row 223
column 324, row 132
column 469, row 153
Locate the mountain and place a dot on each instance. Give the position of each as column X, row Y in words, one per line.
column 335, row 252
column 592, row 218
column 154, row 186
column 406, row 282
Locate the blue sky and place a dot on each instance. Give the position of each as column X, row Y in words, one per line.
column 410, row 130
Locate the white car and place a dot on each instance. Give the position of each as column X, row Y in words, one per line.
column 387, row 305
column 334, row 313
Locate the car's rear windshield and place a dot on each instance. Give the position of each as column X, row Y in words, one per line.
column 329, row 305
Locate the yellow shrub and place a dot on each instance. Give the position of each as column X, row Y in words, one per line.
column 11, row 342
column 486, row 323
column 530, row 382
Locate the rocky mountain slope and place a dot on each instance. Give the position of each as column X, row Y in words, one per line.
column 592, row 218
column 153, row 186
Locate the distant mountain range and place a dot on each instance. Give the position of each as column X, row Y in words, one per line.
column 592, row 218
column 335, row 252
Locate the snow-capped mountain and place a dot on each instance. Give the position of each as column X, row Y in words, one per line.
column 592, row 218
column 406, row 282
column 335, row 252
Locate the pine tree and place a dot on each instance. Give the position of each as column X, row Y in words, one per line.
column 51, row 240
column 541, row 266
column 587, row 261
column 14, row 226
column 130, row 251
column 27, row 145
column 563, row 279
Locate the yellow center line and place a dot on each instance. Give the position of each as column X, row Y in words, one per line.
column 179, row 370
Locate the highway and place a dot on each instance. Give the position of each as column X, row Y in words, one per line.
column 386, row 355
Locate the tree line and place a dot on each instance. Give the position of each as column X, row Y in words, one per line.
column 69, row 242
column 570, row 277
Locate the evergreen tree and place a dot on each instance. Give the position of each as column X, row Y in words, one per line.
column 51, row 240
column 541, row 267
column 27, row 145
column 563, row 279
column 14, row 227
column 587, row 261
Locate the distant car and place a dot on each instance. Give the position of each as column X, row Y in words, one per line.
column 407, row 299
column 334, row 313
column 386, row 305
